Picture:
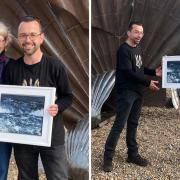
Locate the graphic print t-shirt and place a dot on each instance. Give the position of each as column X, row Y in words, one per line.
column 31, row 75
column 129, row 69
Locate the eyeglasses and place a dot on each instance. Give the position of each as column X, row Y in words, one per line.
column 32, row 36
column 2, row 40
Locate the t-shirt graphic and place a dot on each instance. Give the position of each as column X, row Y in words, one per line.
column 138, row 61
column 36, row 82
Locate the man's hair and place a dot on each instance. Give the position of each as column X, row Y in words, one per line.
column 30, row 18
column 5, row 32
column 132, row 23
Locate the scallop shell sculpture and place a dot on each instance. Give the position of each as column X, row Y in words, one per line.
column 101, row 88
column 77, row 148
column 175, row 94
column 110, row 19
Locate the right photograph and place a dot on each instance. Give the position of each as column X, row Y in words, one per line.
column 135, row 119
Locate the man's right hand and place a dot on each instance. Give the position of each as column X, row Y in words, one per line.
column 153, row 85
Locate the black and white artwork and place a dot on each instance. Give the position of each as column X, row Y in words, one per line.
column 21, row 114
column 24, row 116
column 171, row 72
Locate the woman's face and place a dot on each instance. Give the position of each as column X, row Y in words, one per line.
column 2, row 43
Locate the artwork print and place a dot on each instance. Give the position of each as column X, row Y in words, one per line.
column 21, row 114
column 24, row 116
column 171, row 72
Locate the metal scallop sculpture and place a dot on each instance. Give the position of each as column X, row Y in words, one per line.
column 109, row 25
column 77, row 148
column 175, row 95
column 101, row 88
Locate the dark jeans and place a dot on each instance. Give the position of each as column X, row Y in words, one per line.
column 5, row 153
column 129, row 105
column 53, row 159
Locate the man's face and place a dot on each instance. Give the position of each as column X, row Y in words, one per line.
column 30, row 37
column 2, row 43
column 136, row 34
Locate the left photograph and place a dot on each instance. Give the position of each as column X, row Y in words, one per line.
column 44, row 96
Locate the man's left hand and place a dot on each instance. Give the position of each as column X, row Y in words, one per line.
column 53, row 110
column 159, row 71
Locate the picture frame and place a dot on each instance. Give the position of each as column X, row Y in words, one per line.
column 171, row 72
column 24, row 117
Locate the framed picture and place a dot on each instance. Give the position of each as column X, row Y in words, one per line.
column 24, row 118
column 171, row 72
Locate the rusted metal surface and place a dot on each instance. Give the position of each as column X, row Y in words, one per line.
column 66, row 38
column 79, row 9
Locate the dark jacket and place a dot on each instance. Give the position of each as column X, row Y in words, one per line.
column 3, row 61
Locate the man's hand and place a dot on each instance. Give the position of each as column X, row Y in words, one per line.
column 153, row 85
column 159, row 71
column 53, row 110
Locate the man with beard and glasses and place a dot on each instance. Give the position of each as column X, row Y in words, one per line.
column 129, row 84
column 36, row 68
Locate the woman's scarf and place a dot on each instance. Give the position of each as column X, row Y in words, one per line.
column 3, row 57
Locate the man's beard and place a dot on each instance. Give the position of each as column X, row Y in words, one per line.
column 31, row 51
column 137, row 41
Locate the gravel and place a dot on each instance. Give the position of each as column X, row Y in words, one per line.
column 159, row 141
